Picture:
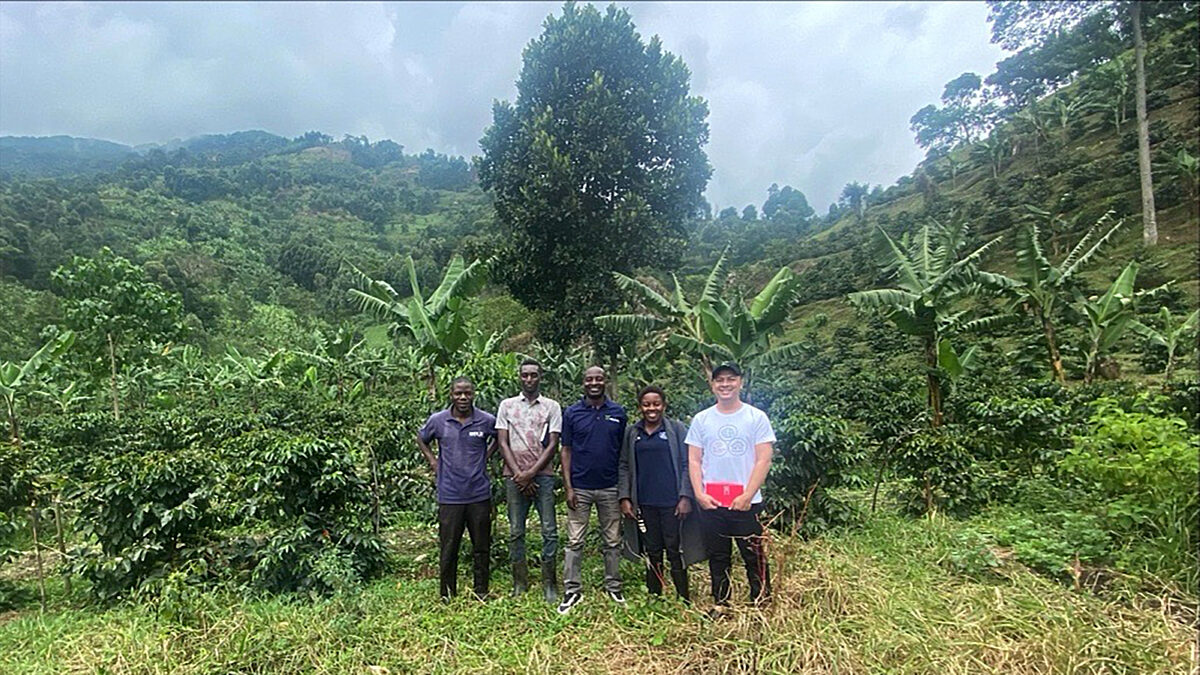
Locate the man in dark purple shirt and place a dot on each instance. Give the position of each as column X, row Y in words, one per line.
column 465, row 436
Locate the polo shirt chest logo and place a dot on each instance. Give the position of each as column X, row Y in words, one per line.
column 475, row 434
column 610, row 418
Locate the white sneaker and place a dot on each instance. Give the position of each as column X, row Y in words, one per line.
column 569, row 600
column 616, row 597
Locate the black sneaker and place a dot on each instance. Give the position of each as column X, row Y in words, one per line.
column 616, row 597
column 569, row 600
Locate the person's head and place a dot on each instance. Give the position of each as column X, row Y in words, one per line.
column 530, row 373
column 652, row 403
column 594, row 380
column 462, row 396
column 726, row 382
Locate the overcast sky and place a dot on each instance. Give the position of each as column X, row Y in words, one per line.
column 812, row 95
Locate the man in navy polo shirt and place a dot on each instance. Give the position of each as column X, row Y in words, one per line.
column 464, row 436
column 593, row 429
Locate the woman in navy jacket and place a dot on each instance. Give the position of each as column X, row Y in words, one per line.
column 656, row 495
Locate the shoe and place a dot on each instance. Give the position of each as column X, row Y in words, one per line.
column 616, row 597
column 549, row 583
column 569, row 601
column 520, row 570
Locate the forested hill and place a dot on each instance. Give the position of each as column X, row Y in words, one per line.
column 251, row 228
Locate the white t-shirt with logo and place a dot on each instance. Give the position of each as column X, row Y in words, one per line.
column 728, row 442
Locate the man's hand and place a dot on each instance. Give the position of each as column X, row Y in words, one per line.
column 707, row 501
column 524, row 481
column 572, row 500
column 627, row 509
column 741, row 502
column 683, row 508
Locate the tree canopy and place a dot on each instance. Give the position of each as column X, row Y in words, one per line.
column 595, row 167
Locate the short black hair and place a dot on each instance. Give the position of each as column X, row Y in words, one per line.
column 530, row 361
column 461, row 379
column 652, row 389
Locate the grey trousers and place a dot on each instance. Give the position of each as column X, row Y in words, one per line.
column 608, row 512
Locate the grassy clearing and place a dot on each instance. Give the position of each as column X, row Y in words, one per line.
column 877, row 599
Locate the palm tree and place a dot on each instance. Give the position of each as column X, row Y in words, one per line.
column 437, row 325
column 1171, row 336
column 715, row 329
column 1042, row 287
column 932, row 278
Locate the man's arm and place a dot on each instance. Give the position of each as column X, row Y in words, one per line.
column 428, row 453
column 506, row 450
column 547, row 452
column 566, row 472
column 758, row 475
column 705, row 500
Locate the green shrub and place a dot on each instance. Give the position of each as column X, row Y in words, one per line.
column 813, row 453
column 1141, row 467
column 315, row 513
column 144, row 515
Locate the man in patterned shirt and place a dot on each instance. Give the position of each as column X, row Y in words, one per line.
column 527, row 428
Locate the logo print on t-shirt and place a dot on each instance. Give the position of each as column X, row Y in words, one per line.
column 728, row 442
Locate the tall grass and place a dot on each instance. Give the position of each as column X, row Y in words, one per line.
column 880, row 599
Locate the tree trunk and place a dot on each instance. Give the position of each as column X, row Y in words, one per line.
column 13, row 428
column 934, row 383
column 112, row 363
column 1170, row 370
column 431, row 383
column 1052, row 347
column 62, row 546
column 37, row 553
column 1149, row 222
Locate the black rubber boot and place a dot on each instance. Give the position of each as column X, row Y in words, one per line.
column 549, row 583
column 520, row 571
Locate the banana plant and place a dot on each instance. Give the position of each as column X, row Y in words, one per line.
column 713, row 328
column 66, row 398
column 1042, row 287
column 1171, row 336
column 255, row 373
column 437, row 325
column 17, row 379
column 1111, row 315
column 931, row 279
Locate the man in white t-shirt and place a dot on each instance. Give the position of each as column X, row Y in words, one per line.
column 729, row 455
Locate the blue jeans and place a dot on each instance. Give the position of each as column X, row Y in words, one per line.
column 518, row 512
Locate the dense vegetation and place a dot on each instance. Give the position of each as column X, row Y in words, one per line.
column 216, row 353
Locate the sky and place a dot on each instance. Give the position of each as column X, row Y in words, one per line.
column 808, row 94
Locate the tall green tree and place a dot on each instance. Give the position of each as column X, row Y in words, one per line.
column 1025, row 24
column 117, row 313
column 966, row 114
column 596, row 167
column 931, row 278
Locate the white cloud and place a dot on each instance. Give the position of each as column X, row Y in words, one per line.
column 808, row 94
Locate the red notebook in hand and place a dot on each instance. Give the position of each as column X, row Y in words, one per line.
column 724, row 493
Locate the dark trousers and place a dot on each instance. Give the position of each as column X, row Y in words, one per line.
column 662, row 535
column 476, row 518
column 722, row 525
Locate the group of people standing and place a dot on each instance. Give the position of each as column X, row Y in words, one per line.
column 659, row 488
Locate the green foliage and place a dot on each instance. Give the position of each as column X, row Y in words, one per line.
column 814, row 453
column 596, row 166
column 437, row 325
column 1142, row 468
column 316, row 508
column 147, row 513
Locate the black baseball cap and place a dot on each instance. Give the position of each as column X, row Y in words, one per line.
column 727, row 366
